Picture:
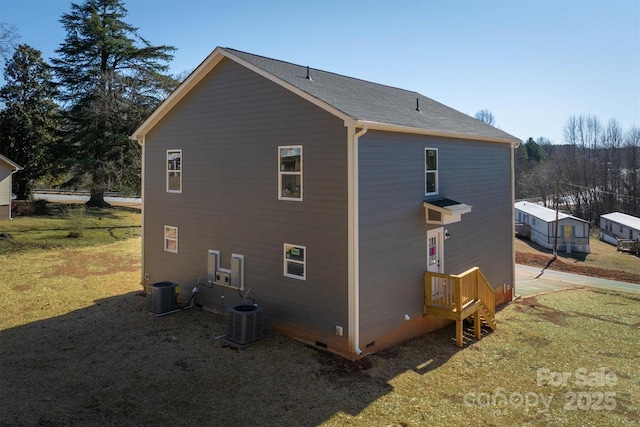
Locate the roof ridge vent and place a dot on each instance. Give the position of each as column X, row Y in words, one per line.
column 308, row 74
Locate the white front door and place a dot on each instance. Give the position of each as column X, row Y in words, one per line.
column 435, row 254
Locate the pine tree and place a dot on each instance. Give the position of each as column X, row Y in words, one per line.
column 110, row 80
column 28, row 121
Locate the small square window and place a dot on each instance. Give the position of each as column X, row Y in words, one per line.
column 174, row 171
column 290, row 173
column 295, row 261
column 171, row 239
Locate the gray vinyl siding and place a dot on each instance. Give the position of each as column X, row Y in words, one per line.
column 228, row 128
column 5, row 188
column 393, row 232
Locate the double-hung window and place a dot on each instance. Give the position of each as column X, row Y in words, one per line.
column 295, row 261
column 174, row 171
column 290, row 172
column 430, row 171
column 171, row 239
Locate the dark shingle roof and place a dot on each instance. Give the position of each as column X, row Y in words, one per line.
column 372, row 102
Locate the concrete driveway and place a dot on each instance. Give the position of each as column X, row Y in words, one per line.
column 534, row 280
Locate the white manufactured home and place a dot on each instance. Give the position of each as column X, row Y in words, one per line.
column 619, row 226
column 540, row 222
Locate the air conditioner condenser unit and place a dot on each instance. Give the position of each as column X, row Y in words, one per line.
column 244, row 324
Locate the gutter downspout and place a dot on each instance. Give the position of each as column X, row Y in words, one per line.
column 354, row 236
column 514, row 147
column 141, row 141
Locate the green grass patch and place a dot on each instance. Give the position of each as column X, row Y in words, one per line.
column 68, row 226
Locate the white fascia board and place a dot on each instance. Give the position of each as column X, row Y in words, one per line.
column 458, row 209
column 12, row 165
column 420, row 131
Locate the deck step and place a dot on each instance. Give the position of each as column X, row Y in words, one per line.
column 486, row 315
column 445, row 295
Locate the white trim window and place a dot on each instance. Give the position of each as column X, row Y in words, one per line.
column 295, row 261
column 430, row 171
column 290, row 172
column 171, row 239
column 174, row 171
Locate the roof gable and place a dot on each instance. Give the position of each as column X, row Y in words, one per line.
column 359, row 103
column 543, row 213
column 624, row 219
column 12, row 165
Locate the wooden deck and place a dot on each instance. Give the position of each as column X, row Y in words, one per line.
column 523, row 230
column 628, row 246
column 458, row 296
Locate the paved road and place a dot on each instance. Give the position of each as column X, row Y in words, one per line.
column 65, row 197
column 534, row 280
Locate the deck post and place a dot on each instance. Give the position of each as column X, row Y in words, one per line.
column 472, row 296
column 476, row 324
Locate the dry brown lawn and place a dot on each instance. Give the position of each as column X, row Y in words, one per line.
column 77, row 347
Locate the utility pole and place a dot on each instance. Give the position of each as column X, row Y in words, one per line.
column 555, row 241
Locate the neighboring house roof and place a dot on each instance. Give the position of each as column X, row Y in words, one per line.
column 544, row 214
column 359, row 103
column 12, row 165
column 624, row 219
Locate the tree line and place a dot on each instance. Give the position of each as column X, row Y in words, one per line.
column 596, row 171
column 69, row 122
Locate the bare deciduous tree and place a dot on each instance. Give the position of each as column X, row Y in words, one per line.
column 486, row 116
column 598, row 168
column 9, row 36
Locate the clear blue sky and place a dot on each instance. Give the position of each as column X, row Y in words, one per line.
column 532, row 63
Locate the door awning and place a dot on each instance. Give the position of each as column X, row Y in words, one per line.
column 444, row 211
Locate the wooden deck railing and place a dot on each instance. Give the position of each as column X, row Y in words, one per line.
column 458, row 296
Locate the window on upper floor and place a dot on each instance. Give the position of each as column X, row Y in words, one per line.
column 171, row 239
column 295, row 261
column 174, row 171
column 430, row 171
column 290, row 172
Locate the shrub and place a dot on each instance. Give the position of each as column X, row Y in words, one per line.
column 76, row 219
